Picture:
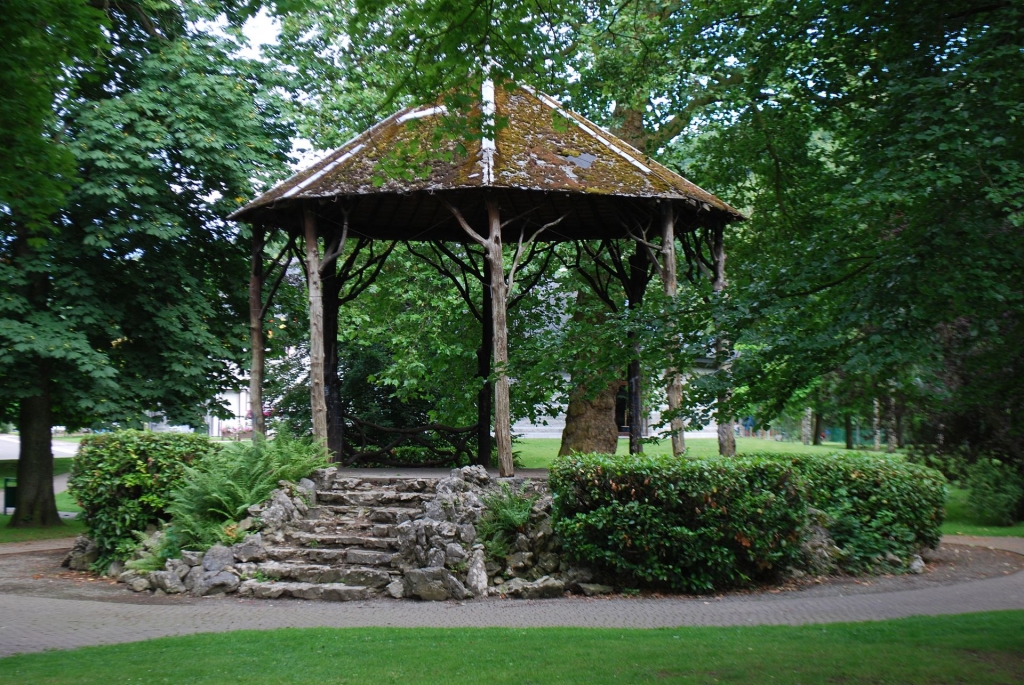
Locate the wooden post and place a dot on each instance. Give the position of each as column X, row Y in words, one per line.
column 726, row 434
column 499, row 292
column 317, row 397
column 256, row 340
column 668, row 278
column 483, row 400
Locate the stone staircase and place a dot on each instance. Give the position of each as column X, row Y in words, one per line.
column 344, row 545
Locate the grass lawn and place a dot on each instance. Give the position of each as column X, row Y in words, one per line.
column 959, row 520
column 69, row 529
column 9, row 467
column 66, row 502
column 537, row 453
column 974, row 648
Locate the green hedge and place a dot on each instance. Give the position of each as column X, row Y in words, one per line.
column 123, row 481
column 691, row 525
column 874, row 504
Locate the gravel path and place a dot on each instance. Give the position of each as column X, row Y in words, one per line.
column 44, row 609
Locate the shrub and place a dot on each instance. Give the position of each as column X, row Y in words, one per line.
column 691, row 525
column 507, row 514
column 123, row 482
column 874, row 504
column 216, row 492
column 996, row 492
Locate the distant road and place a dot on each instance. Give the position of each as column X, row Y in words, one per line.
column 9, row 445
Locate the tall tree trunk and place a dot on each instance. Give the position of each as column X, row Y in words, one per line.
column 819, row 427
column 590, row 424
column 890, row 424
column 805, row 426
column 670, row 282
column 317, row 398
column 35, row 505
column 726, row 433
column 876, row 426
column 849, row 432
column 483, row 371
column 332, row 381
column 256, row 340
column 499, row 292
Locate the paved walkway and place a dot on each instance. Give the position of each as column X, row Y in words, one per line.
column 30, row 624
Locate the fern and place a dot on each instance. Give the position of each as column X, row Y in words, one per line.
column 218, row 490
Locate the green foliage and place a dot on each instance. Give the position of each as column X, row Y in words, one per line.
column 507, row 514
column 691, row 525
column 123, row 482
column 216, row 492
column 996, row 492
column 874, row 504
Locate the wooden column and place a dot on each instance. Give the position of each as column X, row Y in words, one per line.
column 726, row 434
column 637, row 286
column 256, row 339
column 483, row 369
column 499, row 292
column 317, row 398
column 668, row 278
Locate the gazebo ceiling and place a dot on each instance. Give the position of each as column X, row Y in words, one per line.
column 545, row 163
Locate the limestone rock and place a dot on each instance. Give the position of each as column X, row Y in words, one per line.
column 435, row 558
column 177, row 567
column 215, row 583
column 396, row 589
column 542, row 588
column 191, row 557
column 82, row 555
column 194, row 574
column 520, row 561
column 454, row 553
column 168, row 581
column 476, row 575
column 217, row 558
column 115, row 569
column 250, row 549
column 433, row 584
column 591, row 589
column 138, row 584
column 916, row 564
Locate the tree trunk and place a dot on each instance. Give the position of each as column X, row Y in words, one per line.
column 317, row 398
column 590, row 423
column 256, row 340
column 499, row 292
column 35, row 506
column 483, row 371
column 332, row 381
column 849, row 432
column 669, row 280
column 819, row 427
column 876, row 426
column 726, row 434
column 890, row 424
column 805, row 426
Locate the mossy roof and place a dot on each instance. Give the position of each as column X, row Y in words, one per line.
column 539, row 148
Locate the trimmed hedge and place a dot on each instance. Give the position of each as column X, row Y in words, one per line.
column 691, row 525
column 873, row 504
column 123, row 482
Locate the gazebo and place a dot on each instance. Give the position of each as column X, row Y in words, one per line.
column 538, row 172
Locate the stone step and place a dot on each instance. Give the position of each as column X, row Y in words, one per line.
column 376, row 514
column 332, row 557
column 372, row 498
column 332, row 592
column 340, row 539
column 319, row 573
column 397, row 484
column 340, row 526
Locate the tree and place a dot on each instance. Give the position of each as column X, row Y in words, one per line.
column 124, row 299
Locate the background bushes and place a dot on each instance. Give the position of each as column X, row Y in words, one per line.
column 692, row 525
column 123, row 482
column 873, row 504
column 996, row 491
column 700, row 525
